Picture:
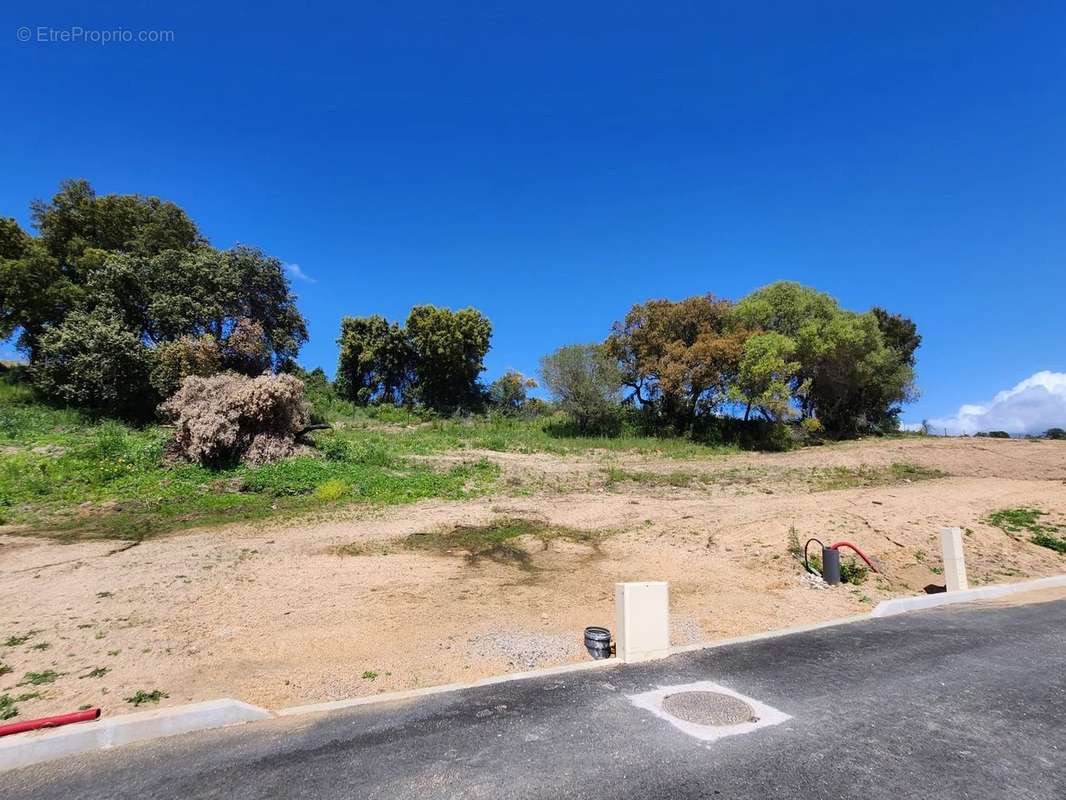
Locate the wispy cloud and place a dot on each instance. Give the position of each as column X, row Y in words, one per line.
column 1031, row 407
column 297, row 274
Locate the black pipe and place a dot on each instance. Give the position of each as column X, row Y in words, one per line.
column 806, row 565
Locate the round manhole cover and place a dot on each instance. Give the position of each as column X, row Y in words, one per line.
column 708, row 708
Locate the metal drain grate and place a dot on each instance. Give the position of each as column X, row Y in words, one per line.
column 709, row 708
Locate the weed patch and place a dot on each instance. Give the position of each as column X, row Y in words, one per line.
column 498, row 540
column 18, row 641
column 676, row 478
column 8, row 709
column 142, row 697
column 834, row 478
column 39, row 678
column 1024, row 520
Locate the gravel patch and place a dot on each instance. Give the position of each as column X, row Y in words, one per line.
column 812, row 581
column 685, row 630
column 525, row 650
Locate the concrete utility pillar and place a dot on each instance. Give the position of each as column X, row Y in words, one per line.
column 642, row 620
column 954, row 559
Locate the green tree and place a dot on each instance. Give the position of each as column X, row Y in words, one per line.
column 586, row 381
column 140, row 265
column 76, row 219
column 766, row 376
column 509, row 392
column 854, row 369
column 899, row 334
column 14, row 242
column 375, row 362
column 449, row 349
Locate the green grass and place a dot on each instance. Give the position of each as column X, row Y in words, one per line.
column 66, row 475
column 419, row 436
column 1030, row 520
column 676, row 478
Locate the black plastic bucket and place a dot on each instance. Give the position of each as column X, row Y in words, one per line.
column 598, row 642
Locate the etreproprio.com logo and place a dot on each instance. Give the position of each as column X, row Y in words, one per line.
column 76, row 34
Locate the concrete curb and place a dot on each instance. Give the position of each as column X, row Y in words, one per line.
column 23, row 749
column 411, row 694
column 901, row 605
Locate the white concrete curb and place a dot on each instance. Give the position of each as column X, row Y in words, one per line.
column 900, row 605
column 410, row 694
column 33, row 747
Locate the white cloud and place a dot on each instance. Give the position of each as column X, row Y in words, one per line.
column 1031, row 407
column 298, row 274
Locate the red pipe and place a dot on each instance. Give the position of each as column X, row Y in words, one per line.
column 861, row 554
column 49, row 722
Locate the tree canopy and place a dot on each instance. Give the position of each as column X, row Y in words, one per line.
column 435, row 359
column 678, row 358
column 585, row 380
column 785, row 351
column 110, row 280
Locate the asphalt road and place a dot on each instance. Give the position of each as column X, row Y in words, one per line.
column 961, row 702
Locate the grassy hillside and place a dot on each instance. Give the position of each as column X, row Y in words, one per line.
column 66, row 474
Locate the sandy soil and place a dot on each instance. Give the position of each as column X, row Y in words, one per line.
column 271, row 614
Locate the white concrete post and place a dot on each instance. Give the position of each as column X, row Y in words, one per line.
column 642, row 620
column 954, row 560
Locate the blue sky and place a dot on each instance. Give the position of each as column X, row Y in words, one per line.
column 552, row 166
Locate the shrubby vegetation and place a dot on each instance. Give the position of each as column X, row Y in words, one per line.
column 124, row 310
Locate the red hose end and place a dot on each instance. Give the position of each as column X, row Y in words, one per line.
column 49, row 722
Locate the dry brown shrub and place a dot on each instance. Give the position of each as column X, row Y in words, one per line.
column 226, row 418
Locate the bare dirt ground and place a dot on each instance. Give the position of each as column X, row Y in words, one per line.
column 271, row 614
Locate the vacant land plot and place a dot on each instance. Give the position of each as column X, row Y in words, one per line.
column 499, row 569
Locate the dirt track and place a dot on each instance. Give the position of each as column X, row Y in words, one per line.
column 270, row 613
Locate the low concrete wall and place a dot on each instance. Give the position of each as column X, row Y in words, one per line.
column 33, row 747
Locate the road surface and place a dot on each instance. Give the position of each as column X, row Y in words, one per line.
column 959, row 702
